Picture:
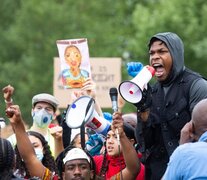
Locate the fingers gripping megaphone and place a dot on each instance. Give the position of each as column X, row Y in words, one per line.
column 132, row 91
column 82, row 110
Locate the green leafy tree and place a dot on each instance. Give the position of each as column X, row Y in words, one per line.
column 186, row 18
column 118, row 28
column 31, row 40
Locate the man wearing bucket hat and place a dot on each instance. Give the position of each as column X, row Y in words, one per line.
column 43, row 111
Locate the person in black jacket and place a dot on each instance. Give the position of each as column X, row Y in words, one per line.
column 168, row 104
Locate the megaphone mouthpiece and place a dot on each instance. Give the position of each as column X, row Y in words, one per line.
column 133, row 89
column 151, row 70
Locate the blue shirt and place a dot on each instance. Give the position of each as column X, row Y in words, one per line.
column 188, row 161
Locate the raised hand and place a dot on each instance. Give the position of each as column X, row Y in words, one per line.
column 117, row 123
column 14, row 114
column 8, row 92
column 133, row 68
column 89, row 88
column 56, row 132
column 187, row 133
column 95, row 144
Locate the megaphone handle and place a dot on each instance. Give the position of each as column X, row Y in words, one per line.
column 82, row 133
column 82, row 128
column 118, row 137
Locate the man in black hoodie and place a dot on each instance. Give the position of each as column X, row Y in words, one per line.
column 172, row 100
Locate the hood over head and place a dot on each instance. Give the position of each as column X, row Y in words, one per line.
column 176, row 48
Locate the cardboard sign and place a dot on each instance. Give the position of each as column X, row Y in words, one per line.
column 105, row 72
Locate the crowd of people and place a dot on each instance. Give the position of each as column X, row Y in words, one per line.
column 164, row 139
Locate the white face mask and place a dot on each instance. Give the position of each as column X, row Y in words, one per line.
column 39, row 153
column 42, row 118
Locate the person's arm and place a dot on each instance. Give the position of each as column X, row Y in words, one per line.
column 197, row 92
column 89, row 88
column 34, row 166
column 132, row 162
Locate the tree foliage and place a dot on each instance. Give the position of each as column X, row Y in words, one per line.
column 29, row 30
column 186, row 18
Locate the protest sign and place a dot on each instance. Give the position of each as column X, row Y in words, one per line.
column 105, row 72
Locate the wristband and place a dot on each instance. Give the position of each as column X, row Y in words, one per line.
column 7, row 102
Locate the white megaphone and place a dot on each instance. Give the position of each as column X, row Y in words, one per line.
column 131, row 91
column 82, row 111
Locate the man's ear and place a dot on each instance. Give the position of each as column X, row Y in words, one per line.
column 32, row 112
column 54, row 116
column 92, row 174
column 193, row 133
column 63, row 175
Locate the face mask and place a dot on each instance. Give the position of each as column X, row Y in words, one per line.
column 39, row 153
column 42, row 118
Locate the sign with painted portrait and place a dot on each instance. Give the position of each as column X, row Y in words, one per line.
column 75, row 64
